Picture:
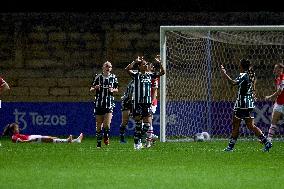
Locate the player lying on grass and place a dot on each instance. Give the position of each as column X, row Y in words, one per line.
column 13, row 131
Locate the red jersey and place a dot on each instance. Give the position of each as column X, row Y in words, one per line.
column 154, row 85
column 279, row 81
column 2, row 82
column 17, row 136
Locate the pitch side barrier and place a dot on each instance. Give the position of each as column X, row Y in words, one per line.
column 59, row 119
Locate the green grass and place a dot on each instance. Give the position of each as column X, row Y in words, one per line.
column 191, row 165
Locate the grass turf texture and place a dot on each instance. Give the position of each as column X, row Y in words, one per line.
column 201, row 165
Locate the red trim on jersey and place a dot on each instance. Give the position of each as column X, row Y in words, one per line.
column 279, row 81
column 154, row 102
column 17, row 136
column 154, row 85
column 1, row 81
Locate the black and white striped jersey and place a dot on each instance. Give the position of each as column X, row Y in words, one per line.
column 142, row 87
column 128, row 94
column 105, row 98
column 245, row 96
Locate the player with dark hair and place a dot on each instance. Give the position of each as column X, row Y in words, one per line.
column 104, row 84
column 278, row 107
column 142, row 98
column 155, row 68
column 13, row 131
column 244, row 104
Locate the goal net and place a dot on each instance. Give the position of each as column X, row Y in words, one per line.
column 195, row 97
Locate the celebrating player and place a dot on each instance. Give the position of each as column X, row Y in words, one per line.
column 3, row 85
column 142, row 99
column 244, row 104
column 278, row 107
column 13, row 131
column 104, row 84
column 155, row 68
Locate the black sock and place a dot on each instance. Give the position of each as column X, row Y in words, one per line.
column 262, row 138
column 232, row 142
column 122, row 130
column 146, row 127
column 137, row 132
column 99, row 136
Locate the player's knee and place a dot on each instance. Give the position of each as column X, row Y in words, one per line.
column 106, row 126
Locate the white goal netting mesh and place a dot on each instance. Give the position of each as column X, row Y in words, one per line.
column 198, row 98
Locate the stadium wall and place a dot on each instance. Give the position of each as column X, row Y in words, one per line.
column 49, row 59
column 52, row 57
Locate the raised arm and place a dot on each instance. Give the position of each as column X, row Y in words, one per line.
column 129, row 67
column 4, row 86
column 276, row 93
column 162, row 70
column 227, row 76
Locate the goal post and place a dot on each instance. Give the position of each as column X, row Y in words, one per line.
column 194, row 97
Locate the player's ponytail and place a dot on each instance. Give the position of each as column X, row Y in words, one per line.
column 8, row 130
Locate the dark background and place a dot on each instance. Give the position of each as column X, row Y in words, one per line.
column 50, row 50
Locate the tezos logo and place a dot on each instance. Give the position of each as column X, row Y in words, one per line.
column 38, row 119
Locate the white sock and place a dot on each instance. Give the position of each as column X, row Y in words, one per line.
column 58, row 140
column 150, row 133
column 76, row 140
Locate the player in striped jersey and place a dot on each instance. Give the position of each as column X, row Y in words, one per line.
column 142, row 98
column 126, row 107
column 278, row 107
column 244, row 104
column 104, row 84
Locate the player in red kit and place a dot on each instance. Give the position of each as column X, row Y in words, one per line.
column 13, row 131
column 278, row 112
column 154, row 67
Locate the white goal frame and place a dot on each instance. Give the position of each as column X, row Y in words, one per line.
column 163, row 40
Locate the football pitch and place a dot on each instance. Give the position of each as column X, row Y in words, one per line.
column 193, row 165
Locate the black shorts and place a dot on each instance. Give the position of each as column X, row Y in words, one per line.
column 244, row 113
column 143, row 110
column 102, row 111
